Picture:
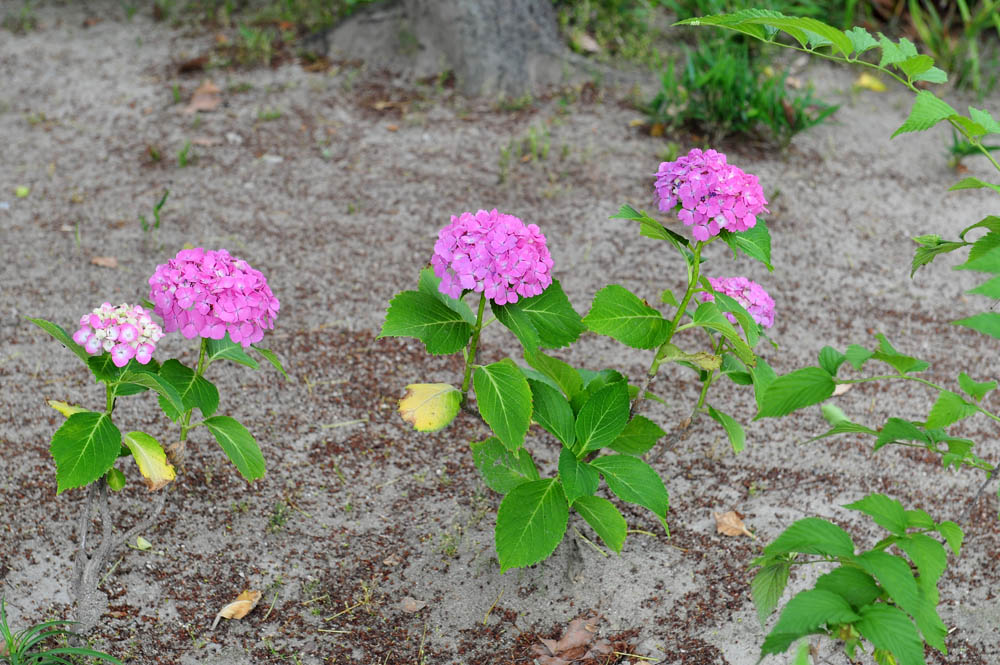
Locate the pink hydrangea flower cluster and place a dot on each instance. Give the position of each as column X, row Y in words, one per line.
column 126, row 331
column 208, row 293
column 712, row 194
column 494, row 254
column 748, row 293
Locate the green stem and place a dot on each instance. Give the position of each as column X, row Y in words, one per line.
column 693, row 270
column 708, row 382
column 925, row 382
column 186, row 419
column 470, row 357
column 109, row 391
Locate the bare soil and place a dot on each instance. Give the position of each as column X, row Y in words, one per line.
column 338, row 201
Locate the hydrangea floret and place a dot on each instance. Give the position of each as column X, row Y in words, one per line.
column 126, row 331
column 208, row 293
column 492, row 253
column 712, row 194
column 748, row 293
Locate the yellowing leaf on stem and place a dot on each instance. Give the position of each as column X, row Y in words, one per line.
column 430, row 406
column 65, row 408
column 730, row 524
column 151, row 459
column 239, row 608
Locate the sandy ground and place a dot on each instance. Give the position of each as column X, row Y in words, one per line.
column 338, row 202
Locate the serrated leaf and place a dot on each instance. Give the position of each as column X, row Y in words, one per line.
column 762, row 376
column 861, row 40
column 831, row 359
column 973, row 183
column 751, row 329
column 618, row 313
column 804, row 614
column 897, row 429
column 420, row 315
column 271, row 357
column 975, row 389
column 634, row 481
column 502, row 470
column 987, row 323
column 841, row 426
column 710, row 316
column 767, row 587
column 919, row 519
column 737, row 437
column 238, row 444
column 933, row 75
column 428, row 283
column 887, row 513
column 65, row 408
column 857, row 355
column 430, row 406
column 84, row 448
column 812, row 535
column 640, row 434
column 603, row 518
column 991, row 223
column 649, row 227
column 971, row 129
column 790, row 392
column 514, row 319
column 755, row 242
column 990, row 288
column 195, row 391
column 673, row 353
column 949, row 408
column 888, row 628
column 150, row 459
column 857, row 587
column 924, row 255
column 531, row 521
column 927, row 555
column 915, row 65
column 985, row 119
column 984, row 255
column 952, row 534
column 61, row 336
column 602, row 417
column 552, row 411
column 228, row 349
column 552, row 315
column 927, row 111
column 893, row 573
column 578, row 478
column 567, row 378
column 161, row 386
column 504, row 400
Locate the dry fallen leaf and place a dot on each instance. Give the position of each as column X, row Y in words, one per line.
column 842, row 388
column 206, row 98
column 584, row 42
column 392, row 560
column 105, row 261
column 577, row 643
column 392, row 128
column 412, row 605
column 239, row 608
column 206, row 141
column 730, row 524
column 869, row 82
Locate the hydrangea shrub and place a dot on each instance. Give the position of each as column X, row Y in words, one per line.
column 592, row 413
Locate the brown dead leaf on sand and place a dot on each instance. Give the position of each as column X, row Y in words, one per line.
column 731, row 524
column 239, row 608
column 410, row 604
column 206, row 97
column 577, row 644
column 105, row 261
column 841, row 388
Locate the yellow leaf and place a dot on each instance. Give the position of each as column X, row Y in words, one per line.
column 239, row 608
column 65, row 408
column 869, row 82
column 151, row 459
column 430, row 406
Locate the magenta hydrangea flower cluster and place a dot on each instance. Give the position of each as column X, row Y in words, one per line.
column 712, row 194
column 208, row 293
column 494, row 254
column 748, row 293
column 126, row 331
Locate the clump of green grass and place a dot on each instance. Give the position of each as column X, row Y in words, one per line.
column 26, row 647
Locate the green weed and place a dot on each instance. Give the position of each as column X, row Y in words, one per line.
column 184, row 156
column 956, row 37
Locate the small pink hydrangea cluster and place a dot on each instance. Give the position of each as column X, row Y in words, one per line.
column 126, row 331
column 713, row 195
column 206, row 293
column 748, row 293
column 494, row 254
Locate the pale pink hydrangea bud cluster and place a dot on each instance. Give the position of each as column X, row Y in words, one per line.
column 712, row 194
column 494, row 254
column 126, row 331
column 748, row 293
column 208, row 293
